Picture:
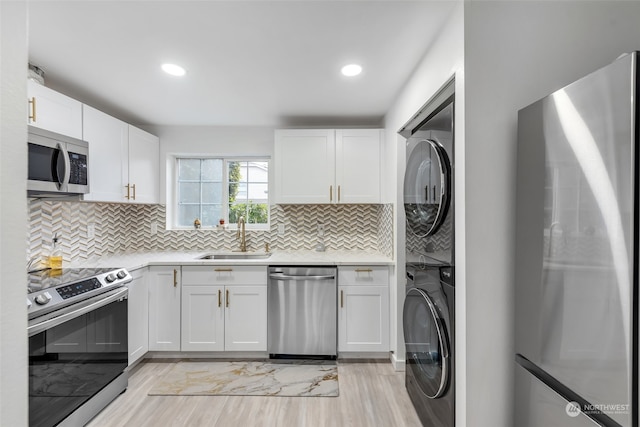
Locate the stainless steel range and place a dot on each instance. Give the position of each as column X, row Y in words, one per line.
column 78, row 348
column 49, row 290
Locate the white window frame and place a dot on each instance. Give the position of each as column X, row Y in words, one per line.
column 225, row 191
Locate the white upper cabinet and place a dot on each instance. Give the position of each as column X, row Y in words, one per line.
column 124, row 161
column 54, row 111
column 305, row 165
column 358, row 165
column 327, row 166
column 144, row 166
column 108, row 140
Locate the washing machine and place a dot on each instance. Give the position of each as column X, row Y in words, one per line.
column 429, row 334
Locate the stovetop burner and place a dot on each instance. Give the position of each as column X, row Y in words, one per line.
column 49, row 290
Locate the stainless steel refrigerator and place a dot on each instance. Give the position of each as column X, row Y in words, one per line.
column 576, row 272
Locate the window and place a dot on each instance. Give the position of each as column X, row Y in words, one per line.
column 213, row 189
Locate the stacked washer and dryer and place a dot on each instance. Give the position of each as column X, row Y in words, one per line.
column 429, row 307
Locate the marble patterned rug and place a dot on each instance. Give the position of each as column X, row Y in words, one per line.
column 255, row 378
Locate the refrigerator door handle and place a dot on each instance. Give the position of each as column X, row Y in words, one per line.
column 566, row 393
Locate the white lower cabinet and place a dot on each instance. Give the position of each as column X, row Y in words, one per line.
column 202, row 318
column 138, row 315
column 224, row 308
column 363, row 312
column 164, row 308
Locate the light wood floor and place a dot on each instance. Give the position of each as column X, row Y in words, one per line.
column 371, row 394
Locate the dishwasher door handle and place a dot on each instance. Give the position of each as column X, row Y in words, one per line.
column 301, row 278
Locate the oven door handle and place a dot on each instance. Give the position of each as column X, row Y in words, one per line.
column 104, row 299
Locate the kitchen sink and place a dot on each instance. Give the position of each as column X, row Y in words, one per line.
column 239, row 255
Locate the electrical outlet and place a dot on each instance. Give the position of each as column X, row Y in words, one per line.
column 91, row 231
column 320, row 229
column 280, row 229
column 154, row 228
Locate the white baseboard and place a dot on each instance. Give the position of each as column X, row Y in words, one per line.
column 259, row 355
column 398, row 364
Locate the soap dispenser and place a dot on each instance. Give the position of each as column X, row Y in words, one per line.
column 55, row 257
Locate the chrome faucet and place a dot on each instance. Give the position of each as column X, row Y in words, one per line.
column 242, row 234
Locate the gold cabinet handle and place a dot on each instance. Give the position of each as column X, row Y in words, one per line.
column 227, row 298
column 175, row 277
column 219, row 298
column 32, row 116
column 338, row 193
column 331, row 193
column 219, row 270
column 363, row 270
column 134, row 191
column 128, row 187
column 341, row 299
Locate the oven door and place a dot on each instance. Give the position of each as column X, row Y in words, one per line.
column 74, row 353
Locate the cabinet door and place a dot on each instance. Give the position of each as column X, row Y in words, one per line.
column 305, row 166
column 358, row 165
column 363, row 318
column 138, row 315
column 108, row 155
column 144, row 166
column 202, row 318
column 363, row 315
column 164, row 308
column 245, row 318
column 54, row 111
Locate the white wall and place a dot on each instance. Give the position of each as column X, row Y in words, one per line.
column 443, row 60
column 13, row 213
column 211, row 141
column 515, row 53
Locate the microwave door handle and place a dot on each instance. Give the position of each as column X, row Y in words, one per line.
column 67, row 168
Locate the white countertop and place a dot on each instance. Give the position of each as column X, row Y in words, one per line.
column 135, row 260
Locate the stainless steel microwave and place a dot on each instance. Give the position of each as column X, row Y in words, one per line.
column 58, row 164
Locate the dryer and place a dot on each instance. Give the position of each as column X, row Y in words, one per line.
column 429, row 333
column 428, row 188
column 428, row 315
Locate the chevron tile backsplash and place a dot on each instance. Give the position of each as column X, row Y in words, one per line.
column 127, row 227
column 441, row 240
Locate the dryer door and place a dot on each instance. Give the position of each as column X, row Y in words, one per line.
column 426, row 187
column 426, row 342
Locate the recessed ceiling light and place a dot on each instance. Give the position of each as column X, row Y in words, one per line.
column 173, row 69
column 351, row 70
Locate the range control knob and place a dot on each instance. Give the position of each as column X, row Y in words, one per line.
column 110, row 278
column 42, row 299
column 29, row 304
column 122, row 274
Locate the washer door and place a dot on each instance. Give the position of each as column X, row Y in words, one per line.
column 426, row 187
column 426, row 343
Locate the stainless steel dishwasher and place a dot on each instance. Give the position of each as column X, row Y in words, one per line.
column 302, row 315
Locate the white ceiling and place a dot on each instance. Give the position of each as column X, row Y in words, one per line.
column 249, row 63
